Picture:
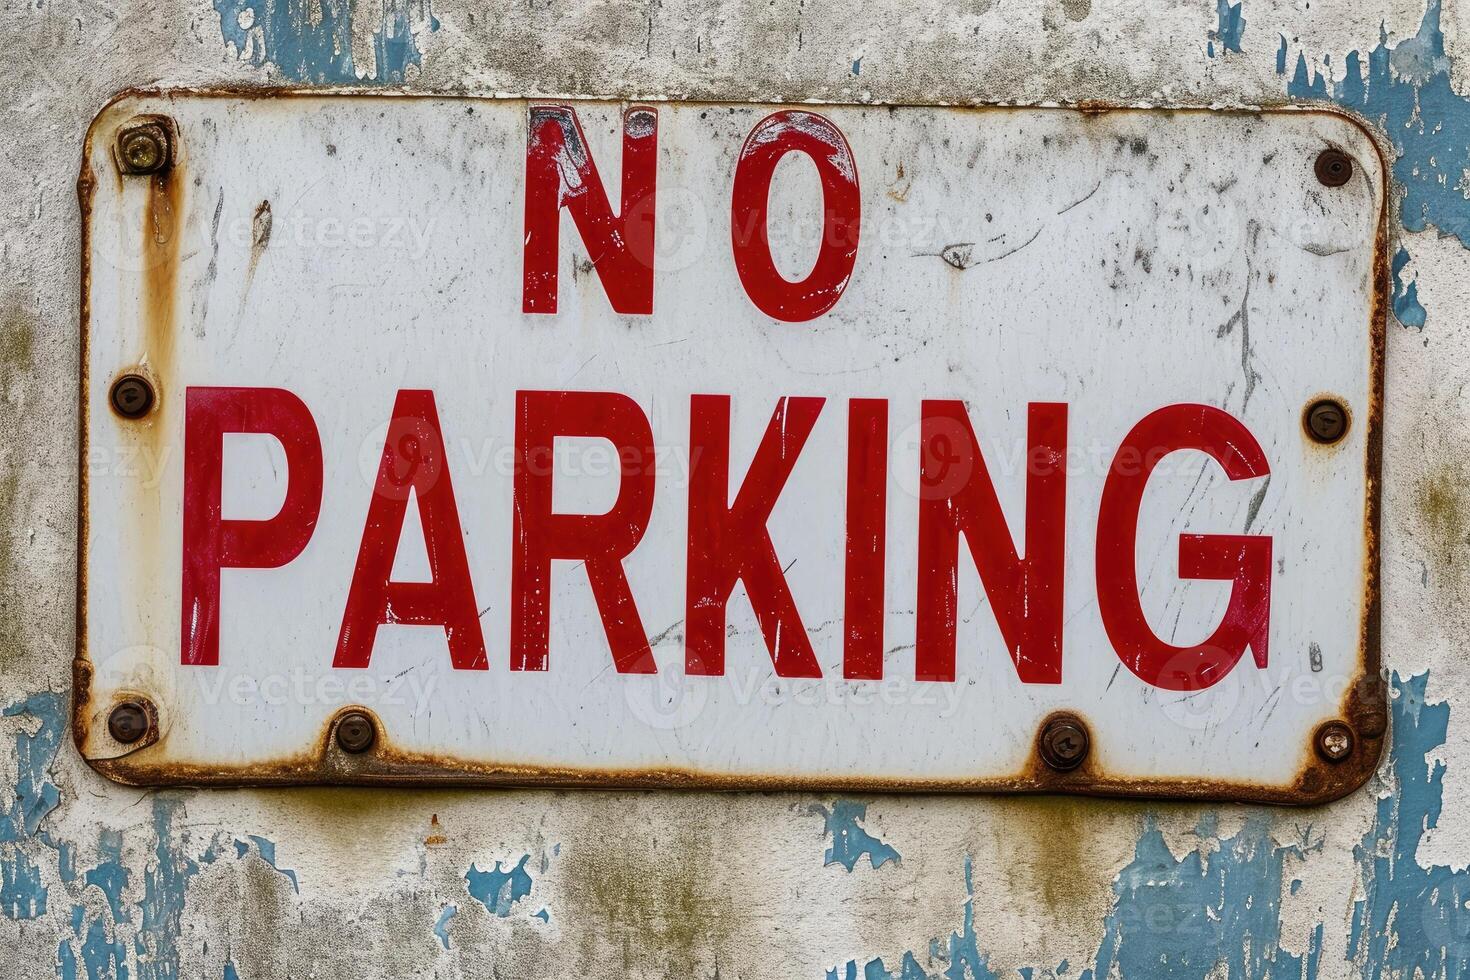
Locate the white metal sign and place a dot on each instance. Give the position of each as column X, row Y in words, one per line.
column 688, row 444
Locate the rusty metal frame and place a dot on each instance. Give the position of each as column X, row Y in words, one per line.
column 1364, row 706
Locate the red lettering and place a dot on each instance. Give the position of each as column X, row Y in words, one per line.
column 210, row 542
column 413, row 462
column 957, row 497
column 867, row 473
column 730, row 542
column 560, row 173
column 1244, row 560
column 599, row 541
column 772, row 138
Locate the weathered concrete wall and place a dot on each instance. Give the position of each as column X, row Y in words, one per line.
column 101, row 881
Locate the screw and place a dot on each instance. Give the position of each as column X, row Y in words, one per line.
column 132, row 396
column 1064, row 743
column 143, row 148
column 356, row 733
column 1334, row 741
column 1327, row 420
column 128, row 722
column 1334, row 168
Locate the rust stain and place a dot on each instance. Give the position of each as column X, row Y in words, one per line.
column 1445, row 516
column 436, row 833
column 386, row 765
column 899, row 191
column 162, row 233
column 260, row 237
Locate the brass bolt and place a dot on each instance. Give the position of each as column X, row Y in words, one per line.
column 1335, row 741
column 1326, row 420
column 128, row 722
column 356, row 733
column 132, row 396
column 143, row 148
column 1334, row 168
column 1064, row 743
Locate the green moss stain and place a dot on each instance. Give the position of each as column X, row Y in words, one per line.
column 1442, row 508
column 659, row 904
column 17, row 363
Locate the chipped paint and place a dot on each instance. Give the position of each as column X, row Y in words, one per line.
column 267, row 851
column 850, row 840
column 23, row 894
column 499, row 890
column 1216, row 910
column 1229, row 29
column 958, row 958
column 318, row 42
column 165, row 881
column 1412, row 920
column 1407, row 89
column 441, row 925
column 1406, row 306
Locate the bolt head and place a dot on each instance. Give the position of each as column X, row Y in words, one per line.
column 356, row 733
column 1064, row 743
column 132, row 396
column 1335, row 741
column 128, row 722
column 143, row 148
column 1334, row 168
column 1327, row 420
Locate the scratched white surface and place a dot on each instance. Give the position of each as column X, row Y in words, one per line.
column 1116, row 263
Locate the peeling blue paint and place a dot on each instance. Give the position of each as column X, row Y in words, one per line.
column 857, row 66
column 498, row 890
column 543, row 914
column 1412, row 921
column 103, row 956
column 850, row 841
column 165, row 882
column 230, row 972
column 961, row 959
column 1406, row 306
column 267, row 850
column 441, row 927
column 1229, row 28
column 35, row 794
column 23, row 893
column 1215, row 912
column 1407, row 90
column 312, row 42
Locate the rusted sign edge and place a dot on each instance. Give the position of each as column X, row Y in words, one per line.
column 1364, row 706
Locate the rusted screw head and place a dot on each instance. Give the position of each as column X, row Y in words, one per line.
column 1327, row 420
column 132, row 396
column 356, row 733
column 128, row 722
column 1334, row 168
column 143, row 148
column 1064, row 743
column 1334, row 741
